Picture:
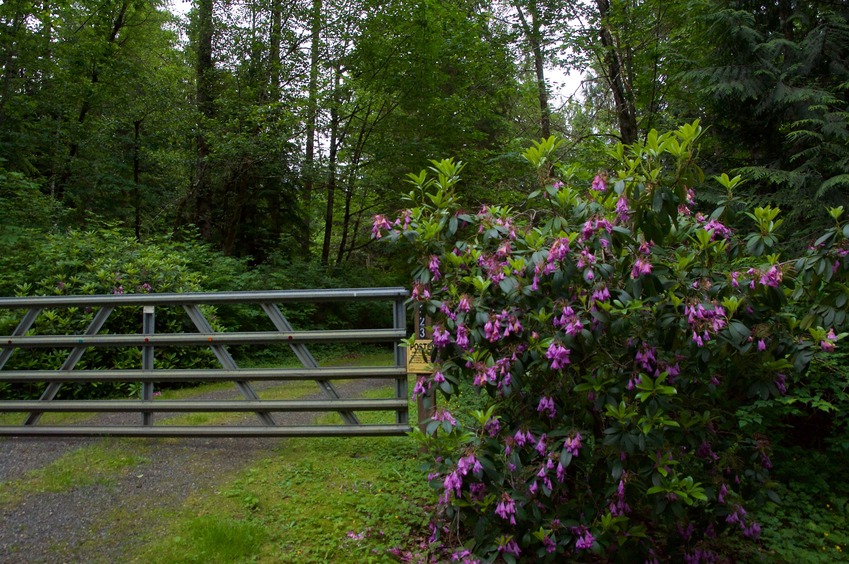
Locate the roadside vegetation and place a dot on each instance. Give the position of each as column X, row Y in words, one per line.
column 638, row 284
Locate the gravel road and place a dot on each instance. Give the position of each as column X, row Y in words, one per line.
column 90, row 523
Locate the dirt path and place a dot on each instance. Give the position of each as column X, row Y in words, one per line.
column 105, row 522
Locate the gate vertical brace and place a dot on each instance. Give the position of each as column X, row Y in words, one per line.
column 226, row 359
column 399, row 316
column 148, row 328
column 27, row 321
column 76, row 353
column 305, row 356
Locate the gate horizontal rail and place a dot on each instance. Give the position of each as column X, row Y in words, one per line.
column 147, row 340
column 198, row 431
column 182, row 339
column 132, row 406
column 212, row 375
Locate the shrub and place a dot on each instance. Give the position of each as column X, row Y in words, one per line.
column 628, row 350
column 98, row 261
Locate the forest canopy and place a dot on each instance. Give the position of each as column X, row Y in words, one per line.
column 275, row 128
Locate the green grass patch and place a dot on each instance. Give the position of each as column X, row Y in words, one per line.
column 18, row 418
column 319, row 500
column 215, row 539
column 811, row 522
column 82, row 467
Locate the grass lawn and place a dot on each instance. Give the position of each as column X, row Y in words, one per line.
column 312, row 500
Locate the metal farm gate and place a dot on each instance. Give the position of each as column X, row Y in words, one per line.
column 148, row 340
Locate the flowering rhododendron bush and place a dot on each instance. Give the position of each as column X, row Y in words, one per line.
column 624, row 348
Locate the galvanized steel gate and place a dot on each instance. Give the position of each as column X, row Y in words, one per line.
column 148, row 340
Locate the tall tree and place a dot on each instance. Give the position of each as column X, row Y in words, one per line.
column 76, row 79
column 205, row 100
column 531, row 26
column 775, row 84
column 312, row 117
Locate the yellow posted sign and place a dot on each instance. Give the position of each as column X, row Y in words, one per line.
column 418, row 357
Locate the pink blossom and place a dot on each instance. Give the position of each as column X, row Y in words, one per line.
column 492, row 330
column 420, row 292
column 561, row 472
column 569, row 321
column 599, row 185
column 468, row 464
column 444, row 415
column 586, row 538
column 771, row 277
column 522, row 438
column 641, row 267
column 546, row 406
column 463, row 337
column 453, row 483
column 600, row 295
column 433, row 266
column 558, row 251
column 572, row 445
column 446, row 311
column 558, row 355
column 506, row 508
column 419, row 389
column 622, row 209
column 380, row 224
column 827, row 345
column 781, row 383
column 717, row 229
column 441, row 337
column 541, row 444
column 510, row 548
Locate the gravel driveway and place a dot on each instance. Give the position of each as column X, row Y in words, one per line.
column 105, row 522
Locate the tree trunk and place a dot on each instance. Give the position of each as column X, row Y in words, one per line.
column 312, row 118
column 346, row 222
column 616, row 77
column 202, row 213
column 10, row 69
column 331, row 171
column 137, row 176
column 275, row 185
column 533, row 34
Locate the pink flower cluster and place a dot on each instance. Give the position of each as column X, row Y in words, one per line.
column 599, row 185
column 453, row 482
column 546, row 406
column 772, row 277
column 704, row 321
column 827, row 344
column 569, row 322
column 559, row 250
column 717, row 229
column 506, row 508
column 502, row 326
column 558, row 355
column 573, row 445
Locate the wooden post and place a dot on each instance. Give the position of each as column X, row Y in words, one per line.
column 418, row 363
